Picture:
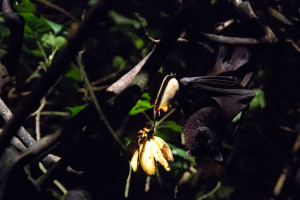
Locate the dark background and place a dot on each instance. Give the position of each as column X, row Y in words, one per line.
column 254, row 157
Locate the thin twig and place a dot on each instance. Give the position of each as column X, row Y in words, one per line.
column 285, row 171
column 236, row 40
column 32, row 76
column 25, row 137
column 49, row 176
column 57, row 67
column 96, row 103
column 56, row 7
column 78, row 122
column 225, row 25
column 39, row 149
column 146, row 35
column 71, row 131
column 148, row 118
column 18, row 144
column 245, row 9
column 279, row 16
column 157, row 41
column 147, row 184
column 293, row 44
column 212, row 192
column 121, row 84
column 126, row 193
column 155, row 59
column 22, row 133
column 158, row 176
column 37, row 119
column 55, row 181
column 43, row 53
column 106, row 78
column 165, row 117
column 56, row 113
column 94, row 88
column 179, row 40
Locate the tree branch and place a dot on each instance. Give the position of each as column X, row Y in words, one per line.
column 15, row 23
column 220, row 39
column 246, row 11
column 57, row 68
column 155, row 59
column 23, row 135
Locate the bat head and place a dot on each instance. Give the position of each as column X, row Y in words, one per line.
column 203, row 132
column 204, row 141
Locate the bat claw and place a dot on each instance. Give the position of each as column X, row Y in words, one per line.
column 219, row 157
column 188, row 154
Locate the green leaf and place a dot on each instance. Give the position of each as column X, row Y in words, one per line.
column 48, row 40
column 59, row 41
column 55, row 27
column 120, row 19
column 146, row 96
column 36, row 25
column 172, row 125
column 92, row 2
column 225, row 192
column 178, row 151
column 36, row 75
column 74, row 73
column 25, row 6
column 212, row 2
column 57, row 195
column 4, row 31
column 142, row 19
column 259, row 100
column 76, row 109
column 139, row 44
column 37, row 53
column 119, row 62
column 237, row 117
column 180, row 165
column 181, row 153
column 28, row 33
column 141, row 106
column 53, row 43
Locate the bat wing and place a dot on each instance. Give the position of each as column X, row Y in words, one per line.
column 225, row 90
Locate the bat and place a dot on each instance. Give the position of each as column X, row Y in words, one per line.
column 211, row 102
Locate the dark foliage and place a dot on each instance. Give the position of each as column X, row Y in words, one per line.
column 68, row 137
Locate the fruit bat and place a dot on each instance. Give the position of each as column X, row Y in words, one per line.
column 211, row 102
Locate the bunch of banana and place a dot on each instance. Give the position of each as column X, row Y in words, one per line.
column 147, row 150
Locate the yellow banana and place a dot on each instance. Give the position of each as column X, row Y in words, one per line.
column 166, row 93
column 165, row 149
column 134, row 160
column 133, row 150
column 146, row 157
column 158, row 156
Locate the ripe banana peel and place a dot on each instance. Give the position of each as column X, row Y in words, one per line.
column 148, row 150
column 146, row 157
column 133, row 150
column 158, row 156
column 165, row 149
